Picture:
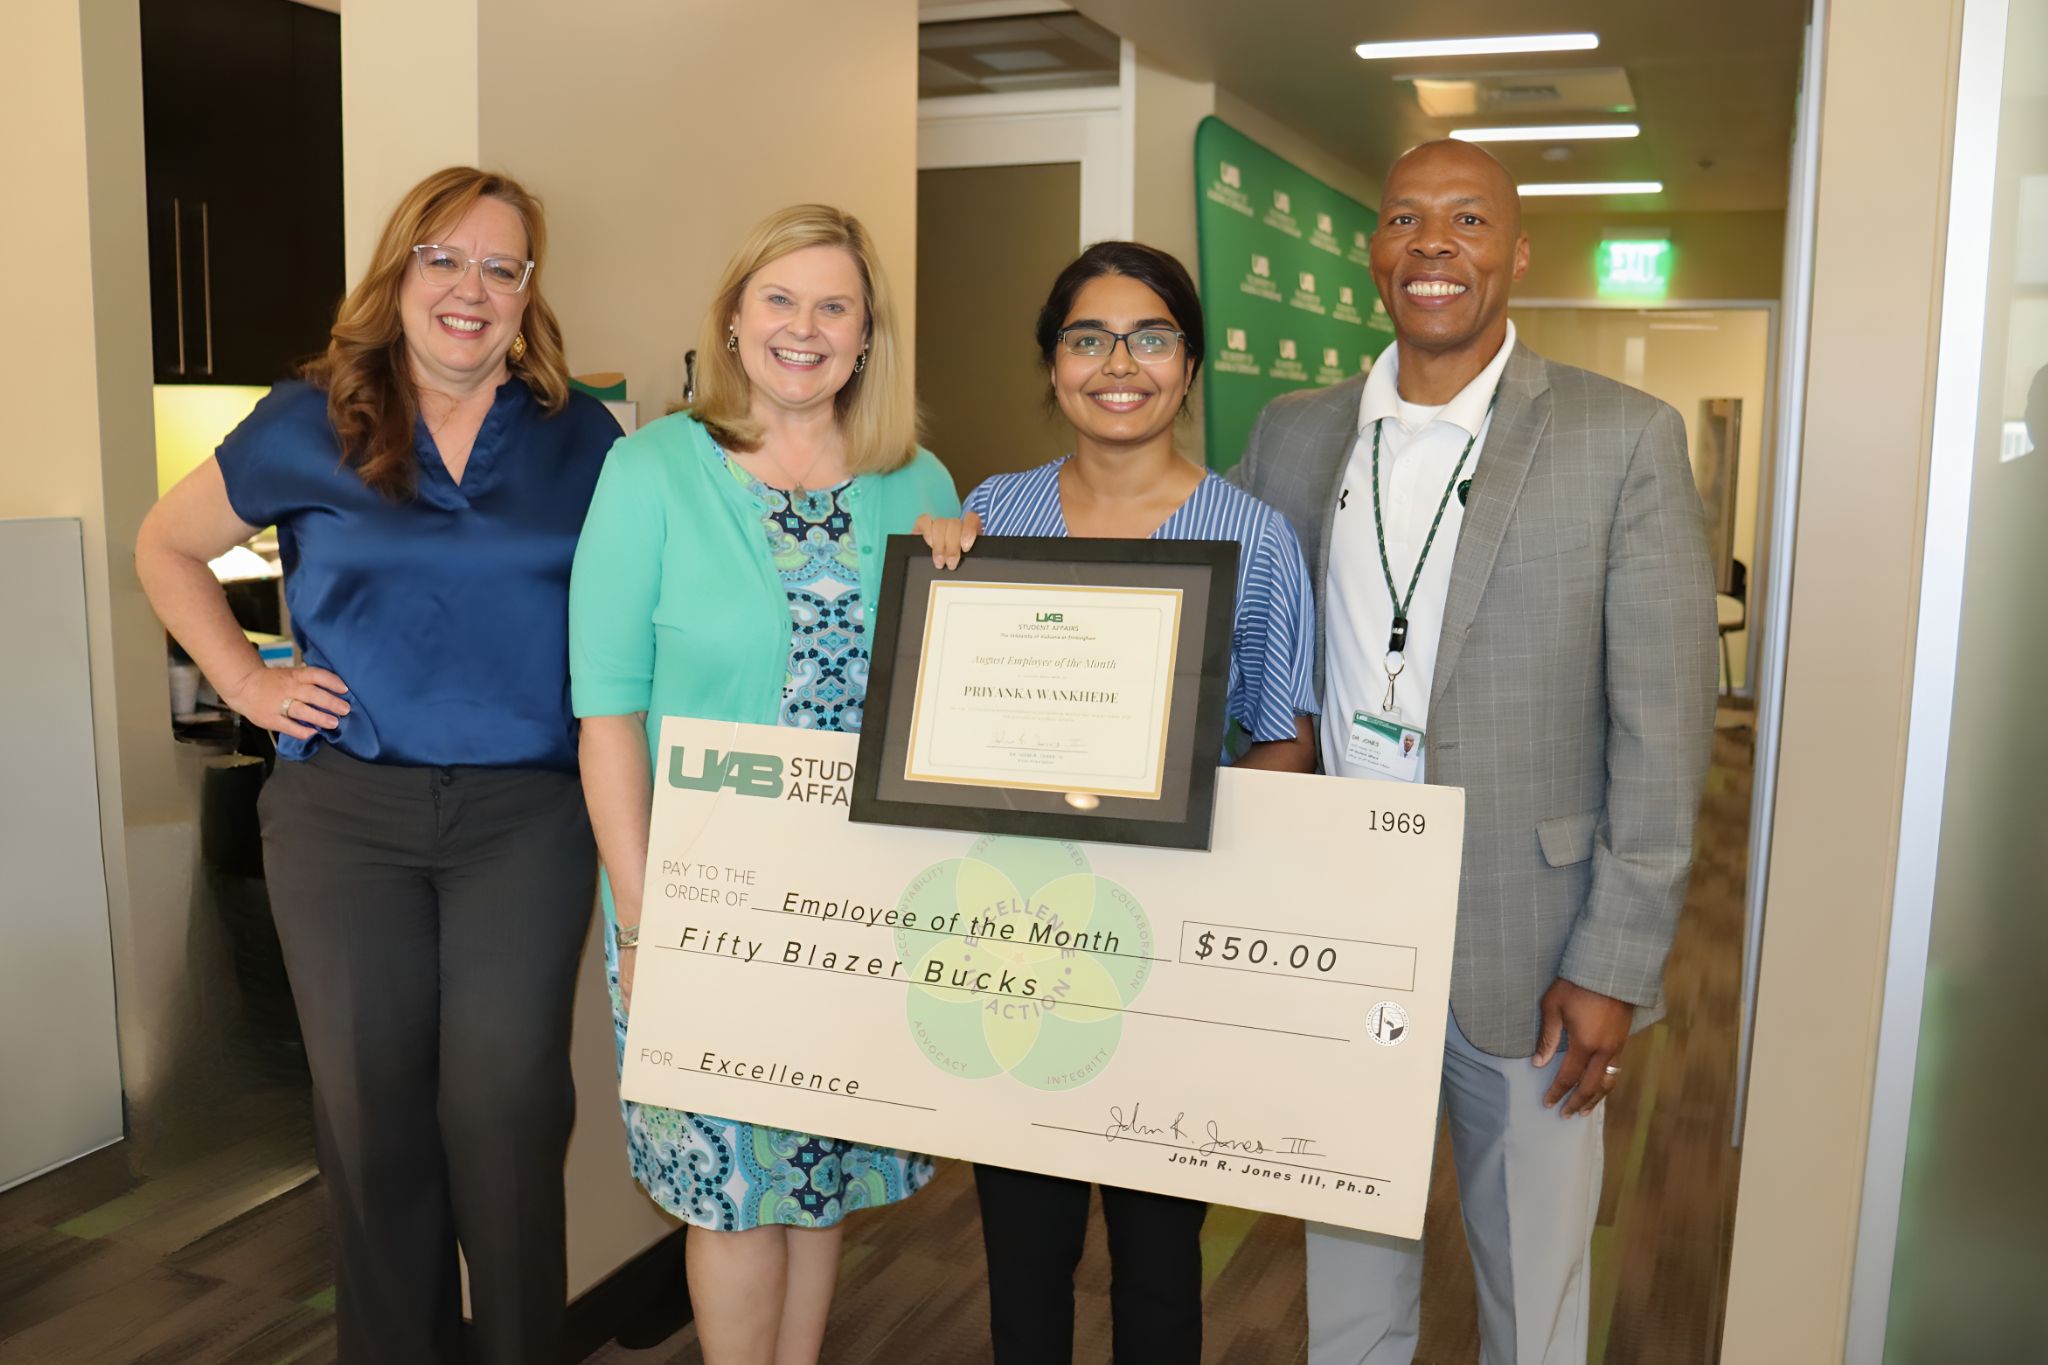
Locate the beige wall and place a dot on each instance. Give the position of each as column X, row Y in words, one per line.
column 1714, row 255
column 71, row 130
column 1168, row 109
column 1885, row 117
column 1701, row 354
column 390, row 142
column 659, row 131
column 644, row 126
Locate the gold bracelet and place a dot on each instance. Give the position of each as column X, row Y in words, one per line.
column 629, row 936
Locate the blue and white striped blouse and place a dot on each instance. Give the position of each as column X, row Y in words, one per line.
column 1272, row 647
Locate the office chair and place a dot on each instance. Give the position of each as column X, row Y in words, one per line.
column 1731, row 611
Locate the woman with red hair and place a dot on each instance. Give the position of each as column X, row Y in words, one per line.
column 430, row 863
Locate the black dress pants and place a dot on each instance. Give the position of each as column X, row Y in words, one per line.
column 1033, row 1227
column 432, row 922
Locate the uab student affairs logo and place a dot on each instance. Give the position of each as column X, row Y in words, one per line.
column 1022, row 962
column 708, row 770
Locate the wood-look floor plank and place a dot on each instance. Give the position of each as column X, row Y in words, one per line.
column 283, row 1248
column 48, row 1275
column 117, row 1324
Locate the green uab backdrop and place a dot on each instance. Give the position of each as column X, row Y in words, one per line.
column 1286, row 291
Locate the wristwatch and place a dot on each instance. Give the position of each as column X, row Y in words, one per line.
column 629, row 936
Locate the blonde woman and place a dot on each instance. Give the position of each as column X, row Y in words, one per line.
column 429, row 859
column 728, row 570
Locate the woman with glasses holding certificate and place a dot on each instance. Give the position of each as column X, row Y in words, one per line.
column 429, row 859
column 727, row 571
column 1121, row 339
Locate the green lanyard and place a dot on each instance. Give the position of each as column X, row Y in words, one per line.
column 1398, row 640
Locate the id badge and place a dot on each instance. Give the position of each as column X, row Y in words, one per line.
column 1385, row 747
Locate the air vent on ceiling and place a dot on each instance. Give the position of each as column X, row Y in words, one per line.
column 1033, row 52
column 1596, row 90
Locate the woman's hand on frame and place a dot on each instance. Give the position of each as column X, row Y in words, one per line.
column 949, row 537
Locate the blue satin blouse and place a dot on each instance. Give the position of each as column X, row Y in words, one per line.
column 446, row 615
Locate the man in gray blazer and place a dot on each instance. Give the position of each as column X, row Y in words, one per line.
column 1513, row 597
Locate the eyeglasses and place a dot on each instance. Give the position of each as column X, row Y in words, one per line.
column 1147, row 345
column 444, row 267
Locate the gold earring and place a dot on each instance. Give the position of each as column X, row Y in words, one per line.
column 517, row 351
column 860, row 362
column 732, row 338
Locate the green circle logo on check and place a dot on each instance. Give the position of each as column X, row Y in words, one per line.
column 1022, row 961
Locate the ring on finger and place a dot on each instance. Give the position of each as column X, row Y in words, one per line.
column 284, row 708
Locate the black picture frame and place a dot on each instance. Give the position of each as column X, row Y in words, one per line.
column 1206, row 571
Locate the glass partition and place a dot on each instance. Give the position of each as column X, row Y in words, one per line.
column 1970, row 1264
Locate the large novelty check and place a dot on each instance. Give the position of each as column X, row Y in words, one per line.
column 1259, row 1025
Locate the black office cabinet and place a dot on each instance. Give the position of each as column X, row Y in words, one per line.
column 242, row 119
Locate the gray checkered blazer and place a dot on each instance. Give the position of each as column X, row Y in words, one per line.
column 1575, row 678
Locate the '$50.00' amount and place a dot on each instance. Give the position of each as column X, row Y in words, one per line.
column 1270, row 954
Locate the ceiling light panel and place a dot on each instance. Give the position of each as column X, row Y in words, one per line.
column 1554, row 132
column 1591, row 187
column 1554, row 95
column 1480, row 47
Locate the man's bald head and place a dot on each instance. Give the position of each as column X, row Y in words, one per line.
column 1448, row 251
column 1434, row 160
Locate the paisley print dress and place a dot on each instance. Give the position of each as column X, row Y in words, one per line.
column 720, row 1173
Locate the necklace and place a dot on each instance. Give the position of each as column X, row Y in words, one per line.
column 798, row 490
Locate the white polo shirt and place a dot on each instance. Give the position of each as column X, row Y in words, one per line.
column 1419, row 449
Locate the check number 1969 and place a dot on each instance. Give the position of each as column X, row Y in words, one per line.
column 1396, row 821
column 1309, row 957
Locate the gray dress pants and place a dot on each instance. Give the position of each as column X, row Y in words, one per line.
column 1529, row 1184
column 432, row 921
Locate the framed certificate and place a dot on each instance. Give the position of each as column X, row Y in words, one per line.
column 1063, row 688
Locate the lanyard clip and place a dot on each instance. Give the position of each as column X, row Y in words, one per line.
column 1397, row 642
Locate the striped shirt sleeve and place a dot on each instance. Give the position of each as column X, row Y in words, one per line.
column 1272, row 654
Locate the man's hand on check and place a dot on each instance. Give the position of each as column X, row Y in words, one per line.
column 1595, row 1030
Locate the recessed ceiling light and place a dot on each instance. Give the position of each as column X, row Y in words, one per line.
column 1481, row 47
column 1594, row 187
column 1562, row 132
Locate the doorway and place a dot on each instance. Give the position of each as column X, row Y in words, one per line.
column 990, row 240
column 1024, row 156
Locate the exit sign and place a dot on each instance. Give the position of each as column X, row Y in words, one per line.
column 1640, row 269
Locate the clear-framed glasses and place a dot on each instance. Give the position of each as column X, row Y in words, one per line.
column 1147, row 345
column 445, row 266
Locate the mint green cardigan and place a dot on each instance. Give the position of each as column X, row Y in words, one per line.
column 675, row 607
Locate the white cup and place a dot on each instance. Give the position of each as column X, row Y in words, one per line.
column 184, row 689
